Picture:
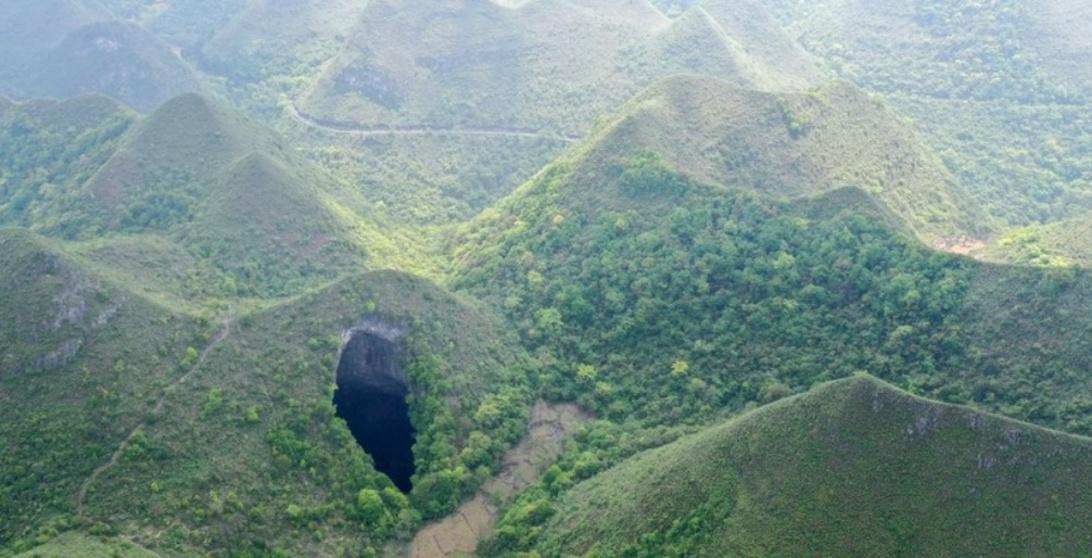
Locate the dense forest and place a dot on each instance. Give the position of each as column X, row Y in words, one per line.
column 544, row 278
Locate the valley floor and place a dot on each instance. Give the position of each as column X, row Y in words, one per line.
column 473, row 522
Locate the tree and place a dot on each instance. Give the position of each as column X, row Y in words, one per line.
column 773, row 390
column 488, row 414
column 548, row 322
column 214, row 402
column 189, row 359
column 438, row 493
column 477, row 451
column 370, row 505
column 680, row 368
column 586, row 373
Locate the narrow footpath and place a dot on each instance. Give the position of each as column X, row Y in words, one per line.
column 81, row 496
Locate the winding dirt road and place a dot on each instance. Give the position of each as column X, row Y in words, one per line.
column 460, row 532
column 368, row 131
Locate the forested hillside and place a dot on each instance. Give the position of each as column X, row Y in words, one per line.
column 545, row 278
column 996, row 85
column 193, row 181
column 853, row 466
column 634, row 283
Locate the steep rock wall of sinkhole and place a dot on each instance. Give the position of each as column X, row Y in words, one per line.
column 371, row 398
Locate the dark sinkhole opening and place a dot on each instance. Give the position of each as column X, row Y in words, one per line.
column 371, row 398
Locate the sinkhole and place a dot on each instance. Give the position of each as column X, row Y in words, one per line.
column 371, row 398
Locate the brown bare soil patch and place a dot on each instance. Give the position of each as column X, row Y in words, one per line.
column 460, row 532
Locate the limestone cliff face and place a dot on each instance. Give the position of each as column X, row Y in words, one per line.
column 371, row 361
column 371, row 397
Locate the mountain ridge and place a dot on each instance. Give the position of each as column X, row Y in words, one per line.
column 868, row 442
column 790, row 256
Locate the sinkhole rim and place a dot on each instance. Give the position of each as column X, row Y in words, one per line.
column 371, row 397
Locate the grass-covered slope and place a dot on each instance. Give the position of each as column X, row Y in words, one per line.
column 433, row 179
column 770, row 57
column 28, row 27
column 170, row 159
column 1029, row 333
column 265, row 223
column 123, row 417
column 80, row 359
column 86, row 165
column 158, row 268
column 1063, row 243
column 76, row 544
column 1059, row 35
column 941, row 48
column 539, row 65
column 187, row 24
column 853, row 467
column 246, row 455
column 1023, row 163
column 44, row 293
column 791, row 146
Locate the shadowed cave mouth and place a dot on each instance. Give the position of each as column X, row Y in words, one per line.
column 371, row 398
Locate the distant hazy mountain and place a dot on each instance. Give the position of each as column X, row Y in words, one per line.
column 542, row 65
column 71, row 49
column 254, row 252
